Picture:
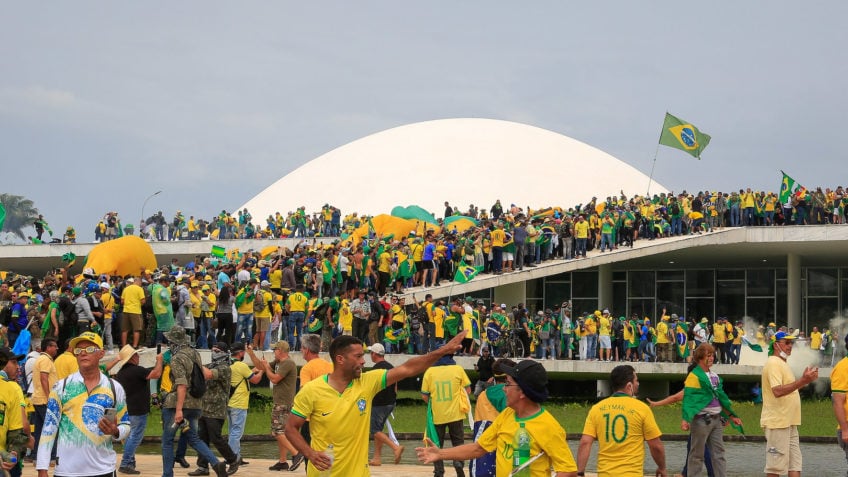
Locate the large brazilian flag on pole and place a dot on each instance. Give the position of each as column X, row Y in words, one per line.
column 682, row 135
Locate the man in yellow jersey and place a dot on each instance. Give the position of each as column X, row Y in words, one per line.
column 498, row 238
column 445, row 388
column 132, row 299
column 337, row 406
column 781, row 413
column 241, row 377
column 66, row 363
column 14, row 429
column 525, row 390
column 621, row 424
column 296, row 307
column 581, row 234
column 838, row 388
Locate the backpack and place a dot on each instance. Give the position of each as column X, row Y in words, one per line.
column 197, row 383
column 6, row 315
column 675, row 208
column 421, row 315
column 68, row 315
column 259, row 301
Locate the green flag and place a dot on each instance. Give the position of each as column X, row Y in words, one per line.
column 430, row 430
column 2, row 215
column 218, row 251
column 753, row 346
column 465, row 273
column 681, row 135
column 787, row 186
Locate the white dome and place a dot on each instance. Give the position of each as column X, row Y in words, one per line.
column 462, row 161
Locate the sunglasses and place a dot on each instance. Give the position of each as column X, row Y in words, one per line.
column 87, row 349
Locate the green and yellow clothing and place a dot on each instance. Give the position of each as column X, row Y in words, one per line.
column 439, row 321
column 498, row 237
column 445, row 386
column 621, row 424
column 240, row 373
column 328, row 411
column 546, row 434
column 131, row 299
column 839, row 380
column 297, row 301
column 699, row 392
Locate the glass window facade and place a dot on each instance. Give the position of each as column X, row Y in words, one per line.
column 760, row 294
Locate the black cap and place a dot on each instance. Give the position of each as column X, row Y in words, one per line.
column 9, row 355
column 237, row 346
column 222, row 346
column 531, row 377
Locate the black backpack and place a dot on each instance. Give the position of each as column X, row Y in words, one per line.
column 6, row 315
column 69, row 315
column 197, row 383
column 675, row 209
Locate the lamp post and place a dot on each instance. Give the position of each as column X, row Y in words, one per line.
column 145, row 202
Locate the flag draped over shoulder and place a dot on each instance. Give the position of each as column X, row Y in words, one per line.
column 430, row 430
column 682, row 135
column 787, row 187
column 465, row 273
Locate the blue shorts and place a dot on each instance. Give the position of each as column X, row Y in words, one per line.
column 379, row 415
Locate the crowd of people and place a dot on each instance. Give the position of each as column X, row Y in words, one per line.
column 197, row 400
column 614, row 221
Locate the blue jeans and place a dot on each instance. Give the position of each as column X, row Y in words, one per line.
column 168, row 432
column 207, row 335
column 238, row 418
column 606, row 242
column 581, row 247
column 137, row 425
column 735, row 218
column 591, row 347
column 676, row 226
column 295, row 323
column 244, row 325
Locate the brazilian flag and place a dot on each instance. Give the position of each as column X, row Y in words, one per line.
column 430, row 430
column 465, row 273
column 681, row 339
column 787, row 186
column 682, row 135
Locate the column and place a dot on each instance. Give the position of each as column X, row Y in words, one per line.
column 793, row 290
column 605, row 287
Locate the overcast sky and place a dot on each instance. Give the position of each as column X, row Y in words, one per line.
column 104, row 103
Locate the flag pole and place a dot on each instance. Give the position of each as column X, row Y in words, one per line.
column 651, row 177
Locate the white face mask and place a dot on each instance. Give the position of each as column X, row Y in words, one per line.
column 783, row 354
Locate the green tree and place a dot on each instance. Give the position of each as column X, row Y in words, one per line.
column 20, row 213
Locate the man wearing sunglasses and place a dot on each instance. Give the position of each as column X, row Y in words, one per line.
column 95, row 413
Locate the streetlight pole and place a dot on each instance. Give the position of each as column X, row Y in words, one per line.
column 145, row 205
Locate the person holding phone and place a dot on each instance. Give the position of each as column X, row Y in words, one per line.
column 76, row 407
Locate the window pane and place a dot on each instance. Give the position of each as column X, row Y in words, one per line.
column 762, row 310
column 730, row 299
column 821, row 282
column 562, row 277
column 642, row 307
column 760, row 282
column 641, row 284
column 782, row 299
column 585, row 285
column 669, row 274
column 533, row 305
column 619, row 299
column 556, row 293
column 580, row 306
column 534, row 288
column 619, row 276
column 670, row 297
column 698, row 307
column 731, row 274
column 820, row 311
column 700, row 283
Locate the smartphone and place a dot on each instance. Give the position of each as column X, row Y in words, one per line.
column 111, row 414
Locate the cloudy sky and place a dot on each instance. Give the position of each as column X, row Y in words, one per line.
column 104, row 103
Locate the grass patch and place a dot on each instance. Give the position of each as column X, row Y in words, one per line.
column 816, row 419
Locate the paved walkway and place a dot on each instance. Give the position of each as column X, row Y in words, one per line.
column 151, row 466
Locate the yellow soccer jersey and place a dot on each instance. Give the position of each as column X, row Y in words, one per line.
column 297, row 302
column 240, row 373
column 11, row 403
column 621, row 424
column 328, row 412
column 446, row 387
column 546, row 434
column 839, row 380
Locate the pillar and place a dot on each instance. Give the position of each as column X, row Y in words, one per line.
column 511, row 293
column 605, row 286
column 604, row 388
column 793, row 290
